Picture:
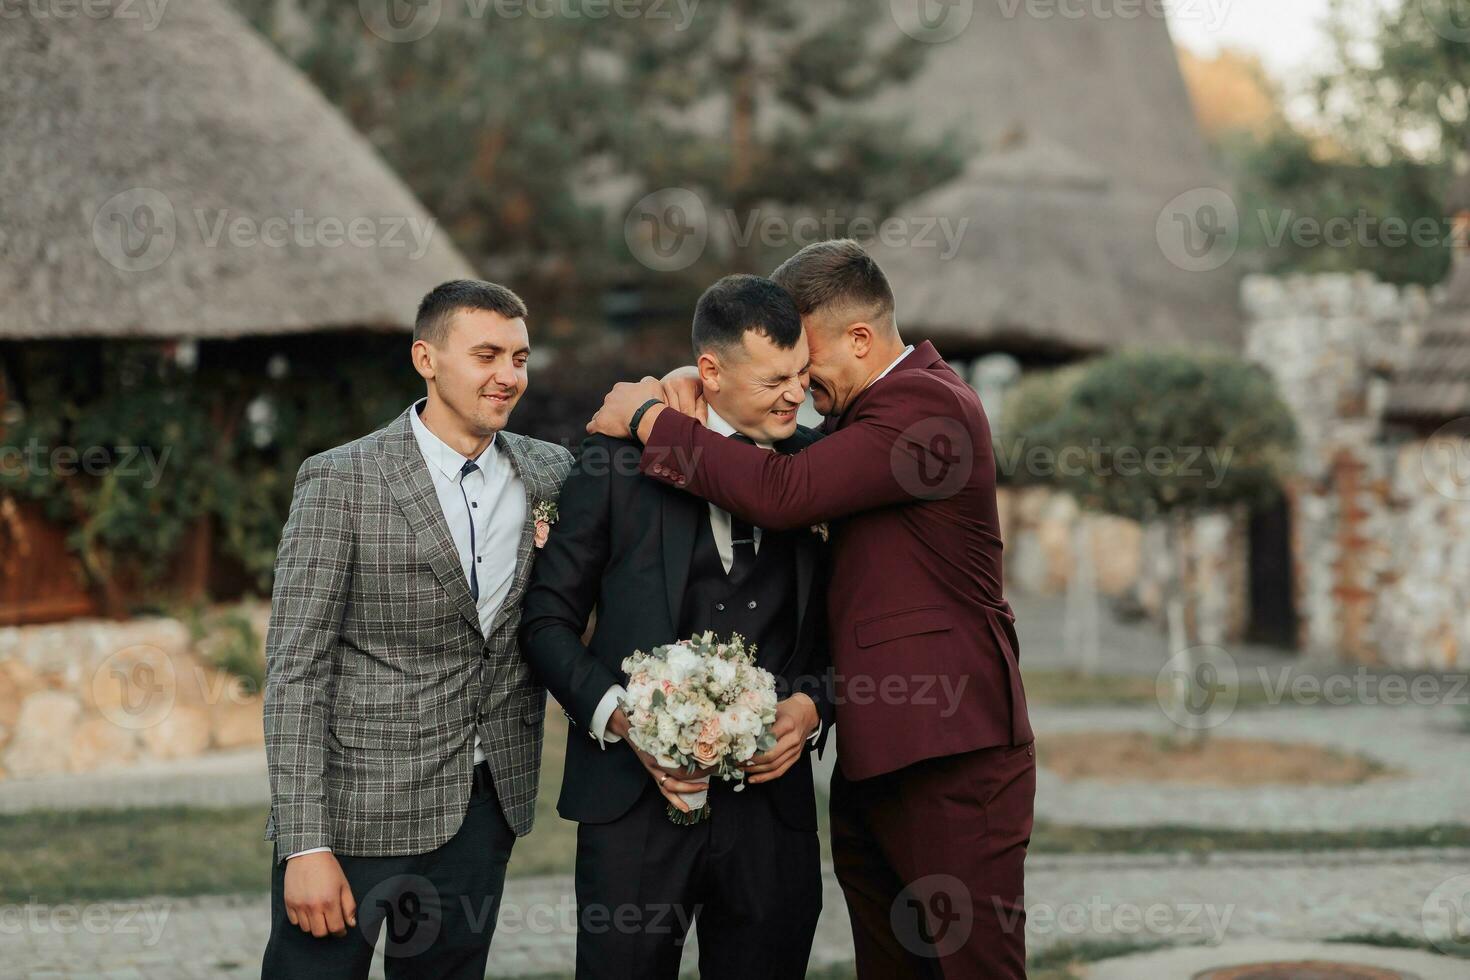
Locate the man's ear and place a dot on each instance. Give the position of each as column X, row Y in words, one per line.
column 709, row 371
column 860, row 335
column 422, row 354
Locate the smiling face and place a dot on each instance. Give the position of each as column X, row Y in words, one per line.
column 478, row 370
column 757, row 386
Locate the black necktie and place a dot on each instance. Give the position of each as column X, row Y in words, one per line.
column 742, row 535
column 464, row 471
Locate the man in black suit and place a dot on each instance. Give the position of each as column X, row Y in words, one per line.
column 660, row 565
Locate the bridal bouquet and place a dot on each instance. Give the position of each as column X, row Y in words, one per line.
column 699, row 703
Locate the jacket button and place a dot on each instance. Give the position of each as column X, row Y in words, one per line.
column 750, row 604
column 719, row 607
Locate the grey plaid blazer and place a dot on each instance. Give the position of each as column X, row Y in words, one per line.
column 377, row 675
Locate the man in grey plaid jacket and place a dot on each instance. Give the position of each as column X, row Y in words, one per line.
column 403, row 729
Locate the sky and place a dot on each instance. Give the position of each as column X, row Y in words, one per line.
column 1286, row 34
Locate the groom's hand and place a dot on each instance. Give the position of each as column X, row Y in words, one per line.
column 619, row 405
column 796, row 719
column 317, row 896
column 670, row 782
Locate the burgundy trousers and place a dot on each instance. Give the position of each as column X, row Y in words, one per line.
column 931, row 859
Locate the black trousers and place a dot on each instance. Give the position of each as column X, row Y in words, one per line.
column 751, row 884
column 438, row 908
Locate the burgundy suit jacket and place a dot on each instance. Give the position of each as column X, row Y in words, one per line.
column 924, row 645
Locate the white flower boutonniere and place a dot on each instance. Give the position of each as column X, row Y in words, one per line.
column 545, row 515
column 820, row 530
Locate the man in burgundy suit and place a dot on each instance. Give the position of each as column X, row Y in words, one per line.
column 932, row 801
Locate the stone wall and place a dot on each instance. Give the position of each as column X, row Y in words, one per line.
column 1045, row 532
column 1381, row 522
column 92, row 694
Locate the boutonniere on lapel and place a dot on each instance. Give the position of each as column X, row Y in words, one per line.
column 545, row 515
column 820, row 530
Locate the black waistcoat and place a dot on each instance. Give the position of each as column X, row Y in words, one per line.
column 760, row 605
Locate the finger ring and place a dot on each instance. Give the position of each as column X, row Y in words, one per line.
column 663, row 779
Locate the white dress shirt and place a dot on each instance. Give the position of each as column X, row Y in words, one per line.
column 719, row 521
column 497, row 500
column 905, row 353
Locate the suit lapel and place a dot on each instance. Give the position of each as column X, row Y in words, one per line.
column 679, row 513
column 532, row 479
column 806, row 554
column 407, row 473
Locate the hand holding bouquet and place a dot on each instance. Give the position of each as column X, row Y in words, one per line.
column 698, row 704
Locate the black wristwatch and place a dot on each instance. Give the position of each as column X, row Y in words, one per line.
column 638, row 416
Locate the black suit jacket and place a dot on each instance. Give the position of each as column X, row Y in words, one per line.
column 623, row 544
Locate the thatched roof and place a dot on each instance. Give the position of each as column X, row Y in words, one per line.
column 1434, row 385
column 1086, row 135
column 216, row 144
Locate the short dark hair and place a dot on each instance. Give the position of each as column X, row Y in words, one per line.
column 736, row 304
column 837, row 273
column 447, row 299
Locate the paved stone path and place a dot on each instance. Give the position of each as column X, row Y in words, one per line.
column 1424, row 742
column 1121, row 898
column 1183, row 964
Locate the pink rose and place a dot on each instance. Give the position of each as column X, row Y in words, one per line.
column 705, row 752
column 543, row 531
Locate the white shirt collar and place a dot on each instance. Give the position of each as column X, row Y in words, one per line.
column 437, row 452
column 717, row 424
column 905, row 353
